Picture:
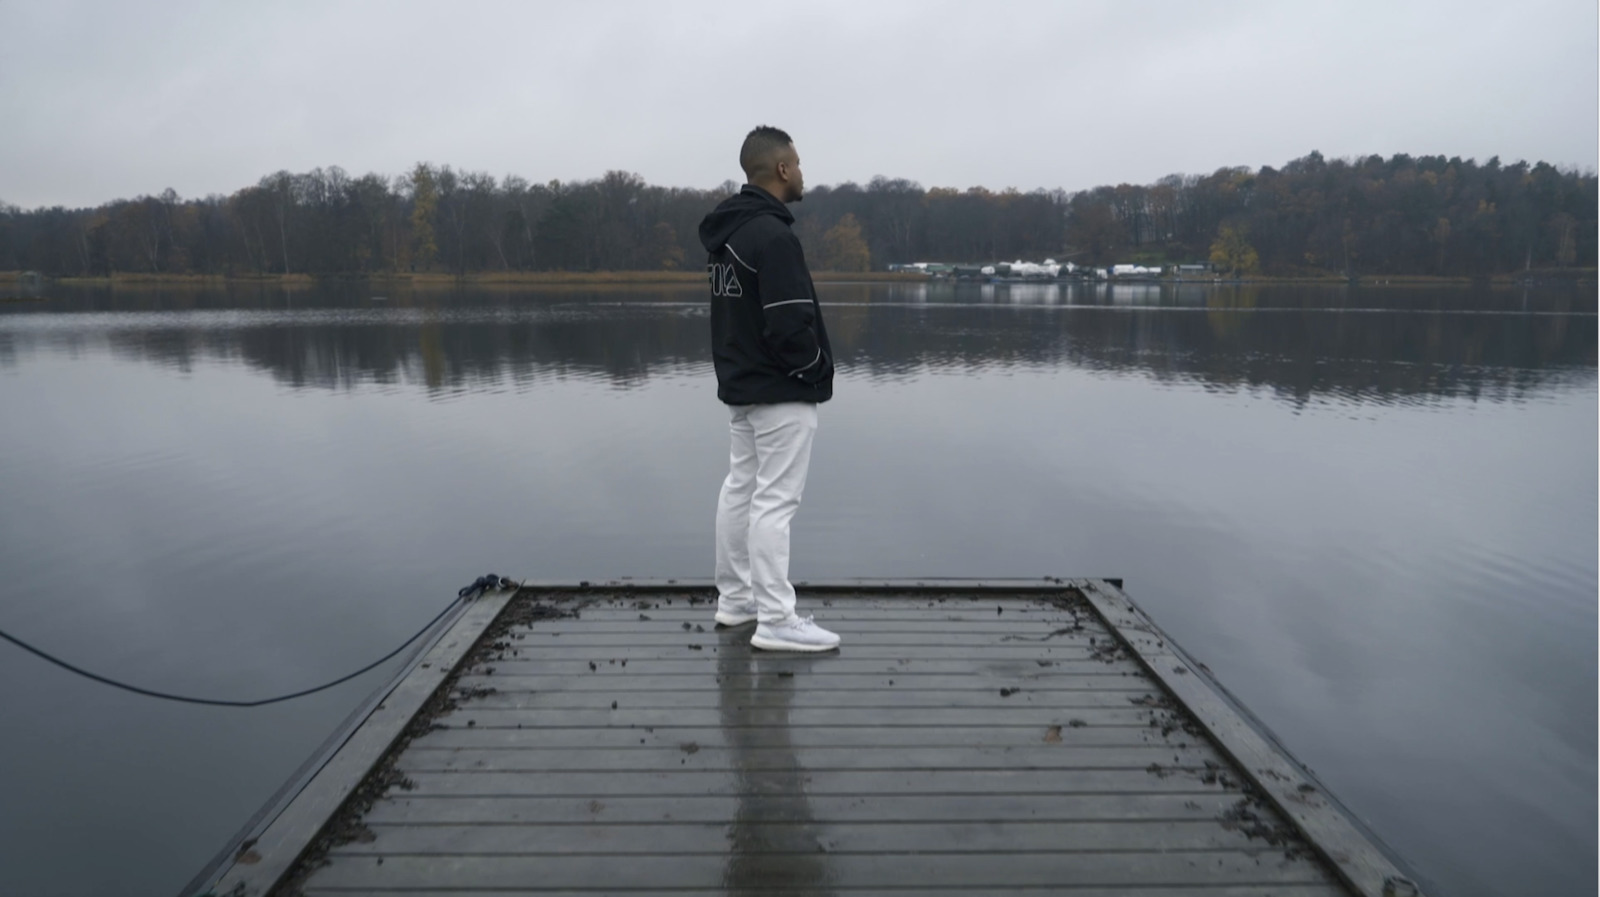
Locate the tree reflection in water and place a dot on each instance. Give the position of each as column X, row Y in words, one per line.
column 1304, row 344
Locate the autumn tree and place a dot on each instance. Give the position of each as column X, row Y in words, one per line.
column 665, row 252
column 843, row 249
column 1230, row 252
column 424, row 209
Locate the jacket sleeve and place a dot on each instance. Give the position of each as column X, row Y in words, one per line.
column 789, row 311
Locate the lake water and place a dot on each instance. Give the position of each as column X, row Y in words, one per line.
column 1372, row 512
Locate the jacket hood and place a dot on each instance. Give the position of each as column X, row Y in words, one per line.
column 736, row 211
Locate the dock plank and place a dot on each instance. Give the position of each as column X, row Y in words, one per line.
column 885, row 698
column 601, row 873
column 1126, row 679
column 501, row 782
column 898, row 836
column 1196, row 804
column 1019, row 714
column 1016, row 624
column 1020, row 666
column 1031, row 746
column 672, row 648
column 776, row 889
column 1021, row 637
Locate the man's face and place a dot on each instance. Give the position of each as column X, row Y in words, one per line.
column 795, row 185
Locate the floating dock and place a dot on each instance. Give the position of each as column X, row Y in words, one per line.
column 969, row 738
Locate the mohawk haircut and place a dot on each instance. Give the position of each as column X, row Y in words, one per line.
column 760, row 145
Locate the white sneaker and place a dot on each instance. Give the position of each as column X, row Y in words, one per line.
column 736, row 617
column 794, row 634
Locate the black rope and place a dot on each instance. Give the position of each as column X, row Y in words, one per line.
column 220, row 703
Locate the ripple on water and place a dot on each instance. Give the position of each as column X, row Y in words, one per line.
column 316, row 474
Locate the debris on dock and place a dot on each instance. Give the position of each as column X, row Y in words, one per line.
column 578, row 747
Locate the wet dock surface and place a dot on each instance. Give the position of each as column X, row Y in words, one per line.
column 980, row 744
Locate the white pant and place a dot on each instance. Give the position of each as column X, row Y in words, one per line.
column 766, row 475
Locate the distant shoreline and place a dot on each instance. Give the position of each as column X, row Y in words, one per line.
column 431, row 280
column 681, row 278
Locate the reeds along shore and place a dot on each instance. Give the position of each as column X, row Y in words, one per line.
column 494, row 278
column 659, row 278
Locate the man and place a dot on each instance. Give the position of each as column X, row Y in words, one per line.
column 774, row 366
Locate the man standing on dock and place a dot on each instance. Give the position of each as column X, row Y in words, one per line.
column 774, row 366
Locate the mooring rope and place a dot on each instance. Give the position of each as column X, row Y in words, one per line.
column 467, row 594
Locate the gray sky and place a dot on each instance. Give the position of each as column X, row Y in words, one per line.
column 102, row 100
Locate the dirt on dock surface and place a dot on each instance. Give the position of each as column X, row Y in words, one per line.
column 1025, row 715
column 346, row 826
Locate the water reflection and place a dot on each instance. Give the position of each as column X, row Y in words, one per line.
column 1407, row 598
column 773, row 842
column 1302, row 344
column 1200, row 295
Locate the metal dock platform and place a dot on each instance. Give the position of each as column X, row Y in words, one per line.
column 981, row 738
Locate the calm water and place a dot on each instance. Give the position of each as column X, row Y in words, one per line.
column 1371, row 512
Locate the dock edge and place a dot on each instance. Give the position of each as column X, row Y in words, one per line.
column 259, row 863
column 1285, row 783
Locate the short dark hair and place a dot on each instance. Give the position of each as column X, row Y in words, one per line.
column 759, row 146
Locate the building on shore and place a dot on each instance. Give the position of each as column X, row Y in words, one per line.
column 1135, row 272
column 1016, row 270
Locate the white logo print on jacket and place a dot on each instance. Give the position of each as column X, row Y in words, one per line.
column 724, row 280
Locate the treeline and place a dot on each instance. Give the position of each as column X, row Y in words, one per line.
column 1425, row 215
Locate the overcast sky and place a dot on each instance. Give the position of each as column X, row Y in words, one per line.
column 101, row 100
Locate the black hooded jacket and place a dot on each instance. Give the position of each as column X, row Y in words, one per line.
column 767, row 339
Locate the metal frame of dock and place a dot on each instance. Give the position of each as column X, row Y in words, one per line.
column 1046, row 736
